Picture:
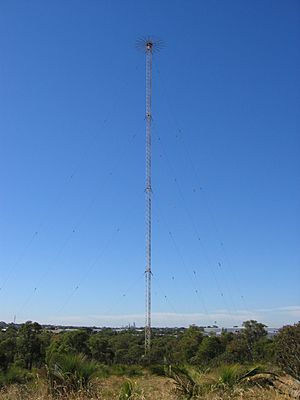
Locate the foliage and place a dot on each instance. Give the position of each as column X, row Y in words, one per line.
column 15, row 375
column 188, row 343
column 127, row 348
column 229, row 375
column 122, row 370
column 100, row 348
column 73, row 342
column 150, row 387
column 71, row 373
column 287, row 349
column 7, row 347
column 121, row 352
column 157, row 369
column 237, row 351
column 130, row 391
column 264, row 350
column 164, row 347
column 192, row 383
column 29, row 345
column 188, row 382
column 253, row 331
column 209, row 348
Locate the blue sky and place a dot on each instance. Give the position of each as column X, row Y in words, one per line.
column 225, row 161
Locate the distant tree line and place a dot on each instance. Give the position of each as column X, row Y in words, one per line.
column 31, row 346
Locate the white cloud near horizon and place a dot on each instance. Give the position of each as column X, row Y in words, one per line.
column 275, row 317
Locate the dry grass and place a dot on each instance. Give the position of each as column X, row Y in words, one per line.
column 148, row 387
column 247, row 394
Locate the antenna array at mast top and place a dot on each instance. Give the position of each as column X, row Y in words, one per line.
column 149, row 43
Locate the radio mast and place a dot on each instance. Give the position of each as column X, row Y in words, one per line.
column 149, row 46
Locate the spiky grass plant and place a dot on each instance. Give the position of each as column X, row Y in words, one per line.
column 71, row 373
column 191, row 383
column 229, row 375
column 130, row 391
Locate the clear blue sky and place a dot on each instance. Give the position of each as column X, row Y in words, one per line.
column 225, row 161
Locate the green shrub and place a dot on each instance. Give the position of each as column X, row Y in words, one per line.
column 157, row 369
column 71, row 373
column 192, row 383
column 229, row 375
column 188, row 381
column 130, row 391
column 287, row 349
column 125, row 370
column 15, row 374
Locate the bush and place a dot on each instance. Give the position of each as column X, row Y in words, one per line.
column 229, row 375
column 130, row 391
column 192, row 383
column 128, row 370
column 157, row 369
column 287, row 349
column 15, row 375
column 71, row 373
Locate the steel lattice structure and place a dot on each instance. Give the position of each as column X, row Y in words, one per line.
column 148, row 272
column 149, row 46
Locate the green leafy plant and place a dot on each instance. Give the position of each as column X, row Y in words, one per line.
column 189, row 381
column 15, row 374
column 229, row 375
column 192, row 383
column 287, row 349
column 130, row 391
column 71, row 373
